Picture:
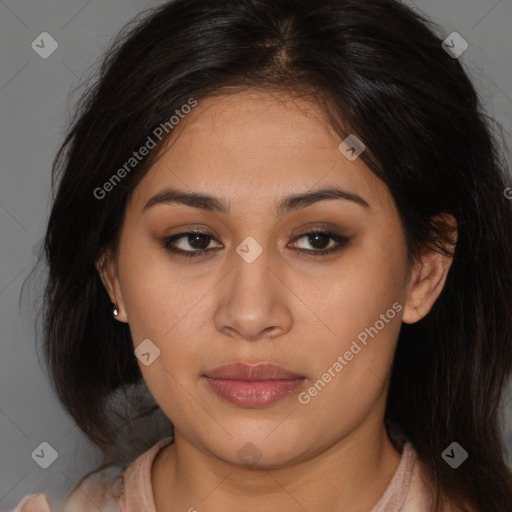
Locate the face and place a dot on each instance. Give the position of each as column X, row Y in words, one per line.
column 247, row 280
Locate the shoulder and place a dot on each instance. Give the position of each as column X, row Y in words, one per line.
column 30, row 502
column 99, row 490
column 420, row 496
column 117, row 488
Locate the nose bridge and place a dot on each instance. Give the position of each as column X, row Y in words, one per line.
column 252, row 278
column 252, row 298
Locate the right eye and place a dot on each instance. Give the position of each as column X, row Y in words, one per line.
column 193, row 239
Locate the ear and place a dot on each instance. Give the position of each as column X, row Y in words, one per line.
column 107, row 268
column 429, row 274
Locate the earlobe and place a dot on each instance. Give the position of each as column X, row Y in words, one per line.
column 429, row 276
column 107, row 271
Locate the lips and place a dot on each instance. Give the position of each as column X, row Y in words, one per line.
column 252, row 386
column 258, row 372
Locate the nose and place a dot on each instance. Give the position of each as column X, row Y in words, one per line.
column 254, row 300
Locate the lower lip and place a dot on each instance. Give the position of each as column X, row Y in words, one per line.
column 253, row 393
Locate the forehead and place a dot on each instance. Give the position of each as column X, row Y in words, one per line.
column 256, row 146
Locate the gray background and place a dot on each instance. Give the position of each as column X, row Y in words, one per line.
column 34, row 103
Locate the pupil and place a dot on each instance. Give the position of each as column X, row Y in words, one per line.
column 319, row 235
column 194, row 238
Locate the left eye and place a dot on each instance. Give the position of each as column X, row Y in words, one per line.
column 319, row 238
column 200, row 242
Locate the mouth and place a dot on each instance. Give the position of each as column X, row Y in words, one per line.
column 252, row 386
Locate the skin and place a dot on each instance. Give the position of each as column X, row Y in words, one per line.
column 253, row 148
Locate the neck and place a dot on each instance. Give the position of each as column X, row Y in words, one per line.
column 349, row 475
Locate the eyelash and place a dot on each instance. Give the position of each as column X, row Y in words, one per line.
column 341, row 240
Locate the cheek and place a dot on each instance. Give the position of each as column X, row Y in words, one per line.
column 366, row 283
column 353, row 369
column 162, row 306
column 158, row 292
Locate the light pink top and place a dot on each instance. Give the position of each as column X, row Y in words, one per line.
column 129, row 489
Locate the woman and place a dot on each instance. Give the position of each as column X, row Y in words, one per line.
column 287, row 219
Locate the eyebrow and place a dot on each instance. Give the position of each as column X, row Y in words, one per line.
column 288, row 204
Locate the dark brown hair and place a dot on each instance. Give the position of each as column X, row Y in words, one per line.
column 378, row 70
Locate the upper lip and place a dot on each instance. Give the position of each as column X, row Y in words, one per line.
column 251, row 372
